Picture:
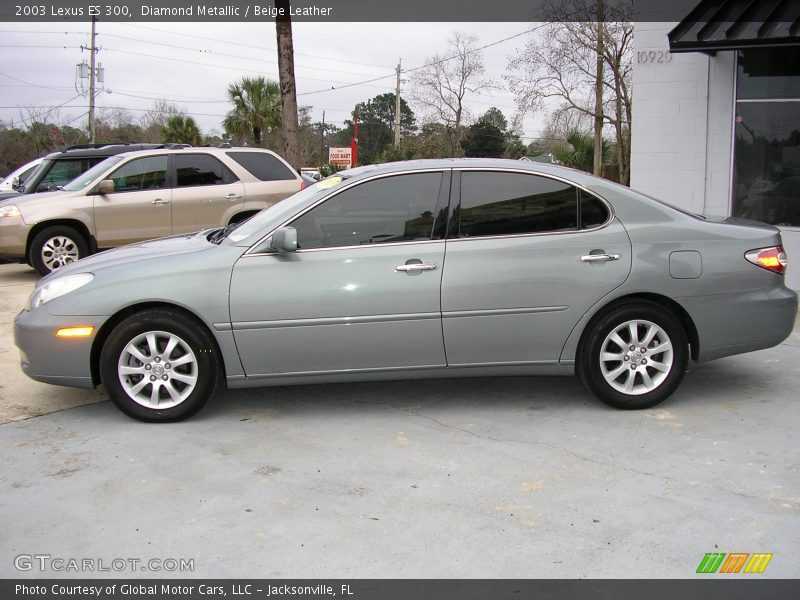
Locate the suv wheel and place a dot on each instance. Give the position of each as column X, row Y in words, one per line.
column 54, row 247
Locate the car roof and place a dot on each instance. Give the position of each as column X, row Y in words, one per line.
column 101, row 150
column 468, row 163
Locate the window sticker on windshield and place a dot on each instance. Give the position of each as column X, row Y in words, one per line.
column 329, row 182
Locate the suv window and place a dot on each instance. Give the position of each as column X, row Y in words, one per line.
column 147, row 173
column 390, row 209
column 201, row 169
column 60, row 172
column 263, row 166
column 496, row 203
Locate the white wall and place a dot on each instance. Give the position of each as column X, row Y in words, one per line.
column 682, row 131
column 682, row 119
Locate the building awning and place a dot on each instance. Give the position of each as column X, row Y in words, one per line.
column 732, row 24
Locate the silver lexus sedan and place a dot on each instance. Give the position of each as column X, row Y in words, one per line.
column 420, row 269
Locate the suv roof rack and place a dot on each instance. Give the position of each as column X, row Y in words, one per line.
column 141, row 145
column 218, row 145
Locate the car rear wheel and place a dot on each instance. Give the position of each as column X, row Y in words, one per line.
column 55, row 247
column 159, row 365
column 635, row 356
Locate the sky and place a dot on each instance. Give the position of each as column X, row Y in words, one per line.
column 192, row 64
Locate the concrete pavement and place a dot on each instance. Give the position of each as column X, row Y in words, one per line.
column 514, row 477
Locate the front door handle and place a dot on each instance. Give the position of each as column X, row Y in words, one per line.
column 233, row 197
column 599, row 257
column 416, row 266
column 159, row 202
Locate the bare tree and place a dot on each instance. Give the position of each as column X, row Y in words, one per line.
column 289, row 126
column 560, row 63
column 441, row 86
column 153, row 120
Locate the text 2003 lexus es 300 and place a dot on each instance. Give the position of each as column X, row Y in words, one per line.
column 422, row 269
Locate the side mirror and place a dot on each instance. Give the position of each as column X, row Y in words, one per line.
column 106, row 186
column 284, row 240
column 15, row 183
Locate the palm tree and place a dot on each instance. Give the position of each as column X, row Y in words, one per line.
column 578, row 151
column 256, row 108
column 289, row 127
column 181, row 129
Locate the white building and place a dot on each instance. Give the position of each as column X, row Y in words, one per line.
column 716, row 118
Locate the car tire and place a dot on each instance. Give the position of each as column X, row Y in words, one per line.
column 54, row 247
column 159, row 365
column 630, row 373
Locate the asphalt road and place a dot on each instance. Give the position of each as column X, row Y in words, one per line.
column 505, row 478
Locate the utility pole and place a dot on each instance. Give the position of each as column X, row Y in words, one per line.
column 322, row 141
column 597, row 167
column 92, row 74
column 354, row 142
column 397, row 107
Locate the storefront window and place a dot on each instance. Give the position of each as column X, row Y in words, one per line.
column 767, row 151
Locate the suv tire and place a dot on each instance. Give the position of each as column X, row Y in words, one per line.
column 54, row 247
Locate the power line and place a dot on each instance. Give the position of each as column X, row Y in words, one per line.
column 426, row 65
column 39, row 116
column 205, row 64
column 269, row 48
column 237, row 56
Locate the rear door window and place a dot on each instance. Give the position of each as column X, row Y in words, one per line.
column 497, row 203
column 263, row 166
column 201, row 169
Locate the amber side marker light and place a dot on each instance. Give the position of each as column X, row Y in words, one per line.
column 75, row 331
column 772, row 259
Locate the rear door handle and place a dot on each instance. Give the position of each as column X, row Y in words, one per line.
column 415, row 267
column 599, row 257
column 233, row 197
column 159, row 202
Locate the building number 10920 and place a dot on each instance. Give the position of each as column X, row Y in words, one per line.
column 653, row 56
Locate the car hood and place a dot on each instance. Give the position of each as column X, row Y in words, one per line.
column 22, row 199
column 8, row 196
column 142, row 251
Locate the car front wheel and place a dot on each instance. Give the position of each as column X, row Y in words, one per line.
column 635, row 356
column 159, row 365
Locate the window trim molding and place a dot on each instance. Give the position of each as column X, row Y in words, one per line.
column 251, row 251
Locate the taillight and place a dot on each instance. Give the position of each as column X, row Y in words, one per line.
column 302, row 185
column 772, row 259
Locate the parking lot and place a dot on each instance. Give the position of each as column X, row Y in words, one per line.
column 502, row 478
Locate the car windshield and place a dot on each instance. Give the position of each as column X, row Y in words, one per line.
column 92, row 175
column 43, row 166
column 283, row 209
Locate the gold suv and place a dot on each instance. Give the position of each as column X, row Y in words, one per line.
column 142, row 195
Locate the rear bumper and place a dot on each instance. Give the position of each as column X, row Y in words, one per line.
column 733, row 324
column 50, row 359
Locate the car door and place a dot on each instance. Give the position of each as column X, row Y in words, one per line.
column 206, row 193
column 527, row 256
column 139, row 207
column 360, row 294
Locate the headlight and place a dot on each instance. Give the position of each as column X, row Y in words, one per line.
column 57, row 287
column 10, row 210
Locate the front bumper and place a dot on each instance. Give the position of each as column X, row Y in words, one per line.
column 50, row 359
column 13, row 238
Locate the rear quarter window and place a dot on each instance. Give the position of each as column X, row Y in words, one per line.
column 263, row 166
